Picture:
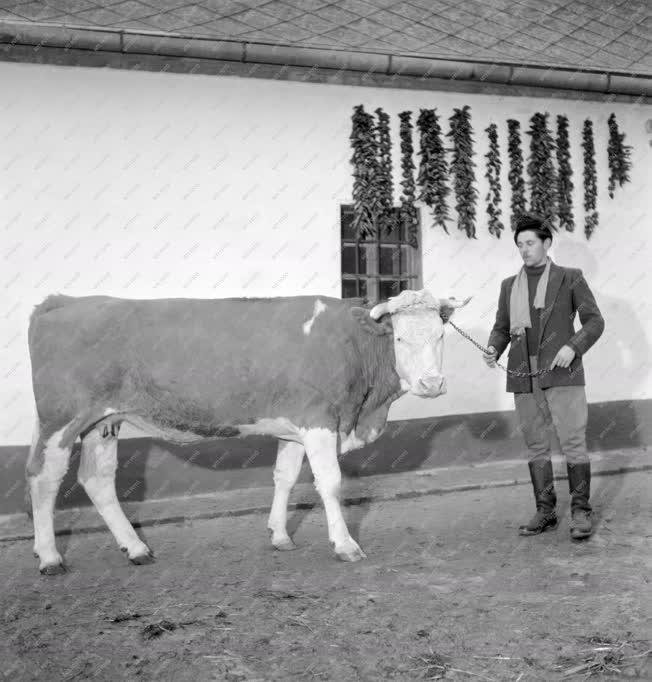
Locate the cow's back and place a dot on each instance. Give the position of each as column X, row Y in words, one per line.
column 196, row 361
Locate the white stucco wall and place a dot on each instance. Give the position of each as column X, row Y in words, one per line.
column 152, row 185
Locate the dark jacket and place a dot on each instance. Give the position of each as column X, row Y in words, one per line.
column 567, row 294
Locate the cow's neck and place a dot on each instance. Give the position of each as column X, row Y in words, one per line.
column 381, row 377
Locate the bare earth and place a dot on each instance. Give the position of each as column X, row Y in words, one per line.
column 449, row 591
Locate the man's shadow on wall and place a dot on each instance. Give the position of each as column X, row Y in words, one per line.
column 618, row 423
column 625, row 344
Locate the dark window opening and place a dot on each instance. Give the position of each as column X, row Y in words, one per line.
column 379, row 266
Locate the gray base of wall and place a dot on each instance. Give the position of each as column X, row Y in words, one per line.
column 151, row 469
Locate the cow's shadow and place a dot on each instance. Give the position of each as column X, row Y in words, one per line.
column 150, row 468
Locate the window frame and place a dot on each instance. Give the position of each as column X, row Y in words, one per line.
column 373, row 246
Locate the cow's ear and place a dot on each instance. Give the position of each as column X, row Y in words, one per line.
column 378, row 327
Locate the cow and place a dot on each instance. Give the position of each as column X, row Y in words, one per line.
column 317, row 373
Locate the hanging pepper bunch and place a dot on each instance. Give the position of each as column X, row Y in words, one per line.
column 462, row 169
column 543, row 181
column 385, row 184
column 590, row 180
column 515, row 176
column 564, row 182
column 619, row 157
column 433, row 170
column 367, row 204
column 493, row 176
column 408, row 211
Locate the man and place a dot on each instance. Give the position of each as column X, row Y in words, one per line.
column 536, row 310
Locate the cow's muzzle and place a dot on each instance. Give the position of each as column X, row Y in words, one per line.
column 430, row 386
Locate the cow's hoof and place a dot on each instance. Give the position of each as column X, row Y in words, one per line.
column 281, row 540
column 50, row 562
column 53, row 569
column 142, row 559
column 351, row 556
column 351, row 552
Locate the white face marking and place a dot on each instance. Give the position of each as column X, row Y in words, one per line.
column 319, row 308
column 418, row 346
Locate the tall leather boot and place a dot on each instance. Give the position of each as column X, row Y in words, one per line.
column 579, row 485
column 545, row 497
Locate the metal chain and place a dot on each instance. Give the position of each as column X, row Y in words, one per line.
column 513, row 372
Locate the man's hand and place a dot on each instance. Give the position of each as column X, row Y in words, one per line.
column 490, row 357
column 563, row 358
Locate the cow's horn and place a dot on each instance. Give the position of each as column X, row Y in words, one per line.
column 379, row 310
column 454, row 303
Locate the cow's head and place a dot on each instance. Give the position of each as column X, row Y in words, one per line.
column 418, row 320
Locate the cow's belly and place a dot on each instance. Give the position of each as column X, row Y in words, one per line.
column 280, row 428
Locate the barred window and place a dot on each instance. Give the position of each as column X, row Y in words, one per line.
column 380, row 266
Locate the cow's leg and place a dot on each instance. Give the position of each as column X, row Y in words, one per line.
column 321, row 448
column 46, row 466
column 97, row 467
column 286, row 472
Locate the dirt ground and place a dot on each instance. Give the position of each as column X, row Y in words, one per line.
column 449, row 591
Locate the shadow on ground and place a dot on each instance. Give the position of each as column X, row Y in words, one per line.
column 152, row 469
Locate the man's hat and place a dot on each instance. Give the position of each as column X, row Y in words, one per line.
column 531, row 221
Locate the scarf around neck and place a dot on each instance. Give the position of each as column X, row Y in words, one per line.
column 519, row 304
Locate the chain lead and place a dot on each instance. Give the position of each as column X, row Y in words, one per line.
column 513, row 372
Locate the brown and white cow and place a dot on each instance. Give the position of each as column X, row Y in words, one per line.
column 317, row 373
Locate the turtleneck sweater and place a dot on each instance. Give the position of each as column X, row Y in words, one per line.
column 533, row 274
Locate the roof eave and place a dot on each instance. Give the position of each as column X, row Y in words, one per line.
column 67, row 44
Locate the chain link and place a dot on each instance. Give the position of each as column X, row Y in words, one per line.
column 513, row 372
